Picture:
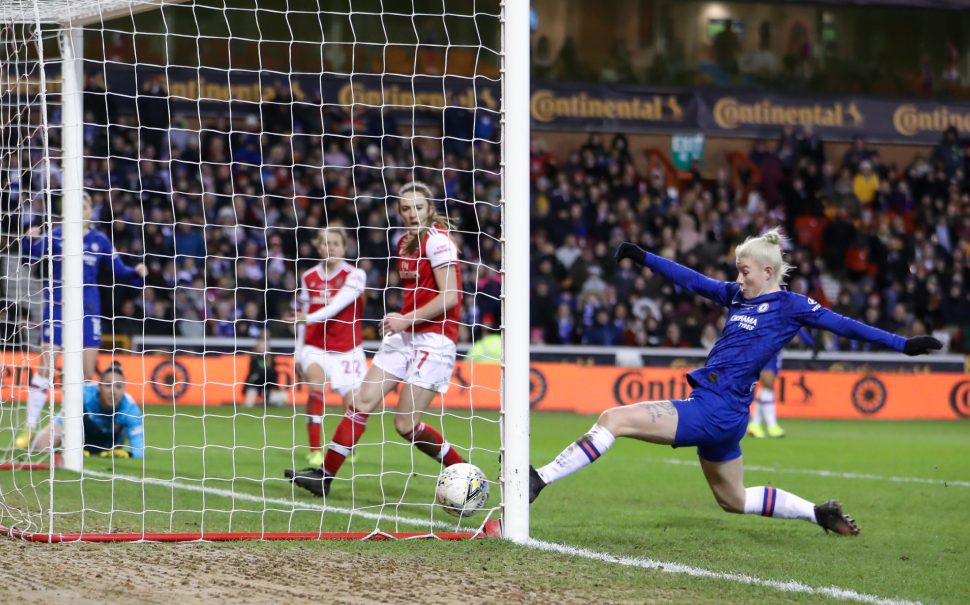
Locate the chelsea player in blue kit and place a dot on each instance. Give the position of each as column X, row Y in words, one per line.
column 98, row 251
column 761, row 319
column 112, row 420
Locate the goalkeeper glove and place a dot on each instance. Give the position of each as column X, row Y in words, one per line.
column 632, row 252
column 118, row 452
column 920, row 345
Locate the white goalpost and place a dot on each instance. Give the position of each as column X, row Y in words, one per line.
column 170, row 172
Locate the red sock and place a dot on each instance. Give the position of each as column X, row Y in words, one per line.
column 314, row 419
column 430, row 441
column 346, row 436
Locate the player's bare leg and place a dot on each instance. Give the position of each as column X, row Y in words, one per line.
column 726, row 480
column 37, row 394
column 413, row 401
column 653, row 421
column 376, row 385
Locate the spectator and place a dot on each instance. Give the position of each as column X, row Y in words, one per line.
column 865, row 184
column 949, row 153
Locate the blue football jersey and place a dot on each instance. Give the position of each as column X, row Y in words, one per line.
column 97, row 251
column 757, row 329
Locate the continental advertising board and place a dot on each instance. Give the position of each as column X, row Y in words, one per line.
column 553, row 105
column 214, row 379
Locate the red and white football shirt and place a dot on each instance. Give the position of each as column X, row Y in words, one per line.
column 418, row 282
column 341, row 332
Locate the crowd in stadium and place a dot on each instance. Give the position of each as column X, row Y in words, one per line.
column 225, row 215
column 877, row 241
column 884, row 243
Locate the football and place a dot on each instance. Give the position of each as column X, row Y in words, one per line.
column 462, row 490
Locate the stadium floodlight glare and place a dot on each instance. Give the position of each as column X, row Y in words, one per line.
column 213, row 140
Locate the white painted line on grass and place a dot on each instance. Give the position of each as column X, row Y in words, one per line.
column 836, row 474
column 644, row 563
column 294, row 504
column 843, row 594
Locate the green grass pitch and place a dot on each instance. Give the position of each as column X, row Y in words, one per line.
column 639, row 500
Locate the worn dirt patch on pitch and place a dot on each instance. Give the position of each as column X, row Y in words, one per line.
column 165, row 574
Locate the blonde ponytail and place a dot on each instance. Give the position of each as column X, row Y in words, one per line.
column 767, row 250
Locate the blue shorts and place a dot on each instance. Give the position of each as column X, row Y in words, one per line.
column 92, row 330
column 773, row 366
column 712, row 424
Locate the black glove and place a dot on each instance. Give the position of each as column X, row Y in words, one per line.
column 630, row 251
column 921, row 345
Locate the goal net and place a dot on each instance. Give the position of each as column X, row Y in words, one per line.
column 173, row 175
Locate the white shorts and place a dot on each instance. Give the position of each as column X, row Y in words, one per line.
column 345, row 371
column 424, row 359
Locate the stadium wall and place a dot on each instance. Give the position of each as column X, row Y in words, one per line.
column 218, row 379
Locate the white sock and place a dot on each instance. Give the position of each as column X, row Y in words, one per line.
column 766, row 403
column 36, row 399
column 774, row 502
column 756, row 417
column 582, row 452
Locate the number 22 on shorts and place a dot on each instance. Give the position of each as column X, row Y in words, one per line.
column 351, row 367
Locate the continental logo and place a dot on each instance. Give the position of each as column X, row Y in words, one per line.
column 633, row 387
column 405, row 97
column 909, row 120
column 202, row 89
column 547, row 105
column 729, row 113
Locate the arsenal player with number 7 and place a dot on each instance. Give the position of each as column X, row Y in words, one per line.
column 419, row 346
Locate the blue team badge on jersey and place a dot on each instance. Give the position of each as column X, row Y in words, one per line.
column 762, row 307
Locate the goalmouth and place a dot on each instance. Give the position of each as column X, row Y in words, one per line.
column 254, row 178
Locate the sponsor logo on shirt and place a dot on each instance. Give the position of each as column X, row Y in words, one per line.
column 745, row 321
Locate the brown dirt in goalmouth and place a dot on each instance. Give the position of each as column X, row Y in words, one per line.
column 169, row 574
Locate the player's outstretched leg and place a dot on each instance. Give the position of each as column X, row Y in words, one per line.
column 582, row 452
column 726, row 481
column 651, row 421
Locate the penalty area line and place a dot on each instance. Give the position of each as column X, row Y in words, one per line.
column 842, row 594
column 835, row 474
